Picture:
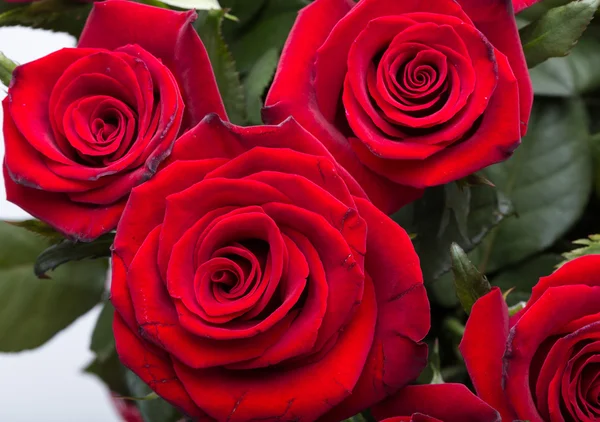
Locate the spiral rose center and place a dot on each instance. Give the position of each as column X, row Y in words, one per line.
column 107, row 105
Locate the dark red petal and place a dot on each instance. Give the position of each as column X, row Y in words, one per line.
column 495, row 19
column 77, row 221
column 445, row 402
column 158, row 319
column 303, row 393
column 302, row 334
column 555, row 308
column 584, row 270
column 29, row 98
column 385, row 194
column 153, row 367
column 344, row 275
column 557, row 368
column 483, row 347
column 185, row 208
column 169, row 36
column 293, row 79
column 136, row 225
column 331, row 62
column 27, row 166
column 490, row 143
column 520, row 5
column 397, row 356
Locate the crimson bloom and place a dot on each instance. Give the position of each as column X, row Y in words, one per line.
column 406, row 93
column 434, row 403
column 261, row 284
column 542, row 363
column 83, row 126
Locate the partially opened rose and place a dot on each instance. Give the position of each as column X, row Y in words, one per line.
column 434, row 403
column 543, row 364
column 252, row 280
column 406, row 93
column 83, row 126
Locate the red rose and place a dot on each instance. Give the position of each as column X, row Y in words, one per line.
column 435, row 403
column 412, row 92
column 261, row 284
column 84, row 125
column 541, row 364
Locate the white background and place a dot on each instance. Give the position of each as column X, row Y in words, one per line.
column 47, row 384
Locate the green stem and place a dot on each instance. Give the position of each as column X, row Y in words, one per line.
column 6, row 69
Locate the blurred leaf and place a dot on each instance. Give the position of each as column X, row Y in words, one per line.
column 208, row 26
column 6, row 69
column 356, row 418
column 194, row 4
column 103, row 340
column 442, row 292
column 56, row 15
column 469, row 282
column 245, row 11
column 447, row 214
column 69, row 250
column 32, row 310
column 548, row 179
column 111, row 372
column 152, row 410
column 524, row 276
column 555, row 33
column 257, row 82
column 572, row 75
column 40, row 228
column 595, row 149
column 591, row 246
column 268, row 30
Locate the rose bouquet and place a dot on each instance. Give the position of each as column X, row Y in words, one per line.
column 287, row 209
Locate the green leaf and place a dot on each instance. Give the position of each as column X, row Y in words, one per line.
column 152, row 410
column 555, row 33
column 435, row 364
column 590, row 246
column 103, row 340
column 470, row 283
column 32, row 311
column 548, row 179
column 448, row 214
column 40, row 228
column 208, row 26
column 572, row 75
column 111, row 372
column 194, row 4
column 268, row 30
column 595, row 149
column 69, row 250
column 56, row 15
column 257, row 82
column 523, row 277
column 6, row 69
